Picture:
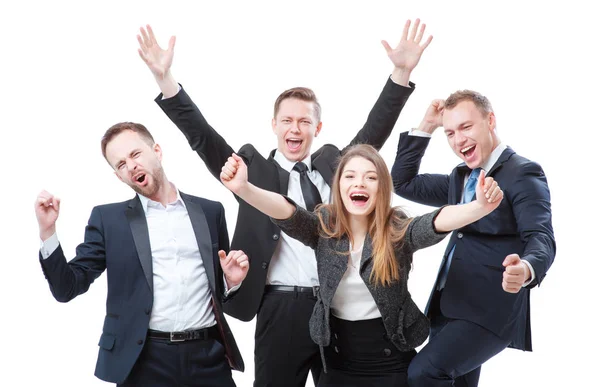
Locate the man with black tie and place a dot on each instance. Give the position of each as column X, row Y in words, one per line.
column 167, row 272
column 480, row 302
column 281, row 284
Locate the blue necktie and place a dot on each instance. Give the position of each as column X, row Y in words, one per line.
column 468, row 196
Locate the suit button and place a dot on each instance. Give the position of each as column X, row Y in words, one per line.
column 147, row 310
column 275, row 237
column 387, row 352
column 459, row 235
column 140, row 342
column 264, row 265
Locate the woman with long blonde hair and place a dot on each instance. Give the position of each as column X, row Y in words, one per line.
column 365, row 320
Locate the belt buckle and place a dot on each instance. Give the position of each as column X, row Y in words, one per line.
column 176, row 336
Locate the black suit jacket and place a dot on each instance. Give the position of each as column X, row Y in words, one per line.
column 522, row 224
column 117, row 240
column 255, row 234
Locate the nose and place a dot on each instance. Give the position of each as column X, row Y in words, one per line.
column 295, row 127
column 459, row 138
column 360, row 183
column 131, row 165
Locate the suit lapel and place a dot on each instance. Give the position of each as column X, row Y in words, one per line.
column 506, row 154
column 139, row 229
column 320, row 164
column 459, row 183
column 202, row 233
column 284, row 176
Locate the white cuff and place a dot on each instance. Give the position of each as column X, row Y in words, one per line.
column 48, row 246
column 178, row 90
column 233, row 289
column 532, row 273
column 419, row 133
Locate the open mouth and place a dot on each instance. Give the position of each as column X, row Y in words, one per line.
column 359, row 198
column 468, row 151
column 293, row 144
column 141, row 178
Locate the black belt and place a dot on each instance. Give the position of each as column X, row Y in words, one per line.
column 198, row 334
column 296, row 289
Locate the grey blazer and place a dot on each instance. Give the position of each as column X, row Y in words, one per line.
column 406, row 326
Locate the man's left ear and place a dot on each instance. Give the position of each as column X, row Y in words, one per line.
column 158, row 151
column 318, row 130
column 492, row 121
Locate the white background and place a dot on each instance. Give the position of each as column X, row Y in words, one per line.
column 71, row 70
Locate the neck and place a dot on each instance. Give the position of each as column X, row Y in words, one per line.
column 359, row 226
column 166, row 192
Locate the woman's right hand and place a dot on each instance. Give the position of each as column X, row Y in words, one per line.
column 234, row 174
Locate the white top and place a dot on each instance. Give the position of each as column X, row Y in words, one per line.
column 352, row 300
column 293, row 263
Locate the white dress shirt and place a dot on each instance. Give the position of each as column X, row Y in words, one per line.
column 293, row 263
column 494, row 156
column 182, row 298
column 352, row 300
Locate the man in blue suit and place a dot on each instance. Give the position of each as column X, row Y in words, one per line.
column 480, row 302
column 167, row 273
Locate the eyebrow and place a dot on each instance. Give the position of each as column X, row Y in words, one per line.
column 352, row 170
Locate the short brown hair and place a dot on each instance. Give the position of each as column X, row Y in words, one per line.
column 480, row 101
column 301, row 93
column 117, row 129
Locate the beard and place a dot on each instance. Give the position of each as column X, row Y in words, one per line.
column 154, row 183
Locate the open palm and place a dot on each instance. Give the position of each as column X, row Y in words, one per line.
column 158, row 60
column 407, row 53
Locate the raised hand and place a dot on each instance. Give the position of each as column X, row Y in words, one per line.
column 47, row 207
column 235, row 266
column 489, row 195
column 516, row 273
column 159, row 61
column 433, row 116
column 407, row 53
column 234, row 174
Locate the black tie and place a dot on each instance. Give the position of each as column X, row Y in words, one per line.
column 309, row 190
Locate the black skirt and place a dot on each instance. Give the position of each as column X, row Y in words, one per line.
column 361, row 355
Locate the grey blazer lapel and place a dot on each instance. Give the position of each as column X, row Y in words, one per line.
column 202, row 232
column 139, row 229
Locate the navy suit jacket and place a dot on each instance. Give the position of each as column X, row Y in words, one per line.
column 116, row 240
column 522, row 224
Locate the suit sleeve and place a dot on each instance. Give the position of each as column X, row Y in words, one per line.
column 421, row 232
column 203, row 139
column 302, row 225
column 428, row 189
column 68, row 280
column 530, row 199
column 383, row 115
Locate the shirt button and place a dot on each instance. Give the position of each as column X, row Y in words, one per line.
column 140, row 342
column 264, row 265
column 459, row 235
column 275, row 237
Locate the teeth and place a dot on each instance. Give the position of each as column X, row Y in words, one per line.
column 463, row 150
column 359, row 195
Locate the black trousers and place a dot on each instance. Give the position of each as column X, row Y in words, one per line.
column 455, row 352
column 361, row 355
column 200, row 363
column 283, row 350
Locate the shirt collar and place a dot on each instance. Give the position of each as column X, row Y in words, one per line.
column 494, row 156
column 147, row 202
column 289, row 165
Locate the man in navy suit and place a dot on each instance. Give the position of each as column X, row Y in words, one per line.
column 167, row 273
column 480, row 302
